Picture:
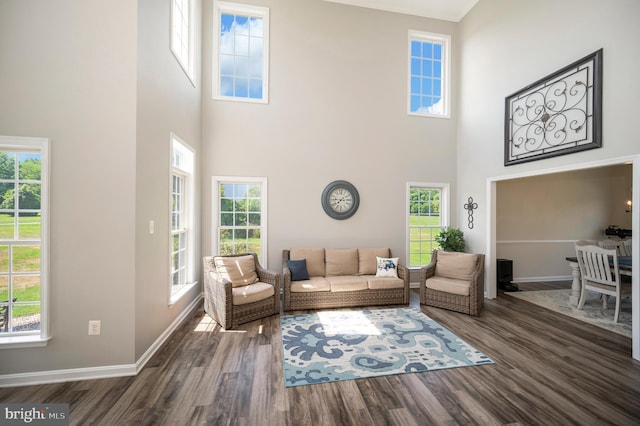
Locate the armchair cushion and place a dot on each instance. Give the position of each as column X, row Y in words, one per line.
column 449, row 285
column 251, row 293
column 240, row 270
column 298, row 269
column 455, row 265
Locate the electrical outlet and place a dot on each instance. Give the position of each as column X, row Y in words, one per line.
column 152, row 227
column 94, row 328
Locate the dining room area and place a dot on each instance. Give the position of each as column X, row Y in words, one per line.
column 557, row 230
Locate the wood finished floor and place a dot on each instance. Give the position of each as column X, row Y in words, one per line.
column 550, row 370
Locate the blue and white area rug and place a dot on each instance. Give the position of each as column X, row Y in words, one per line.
column 344, row 345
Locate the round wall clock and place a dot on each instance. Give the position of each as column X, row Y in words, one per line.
column 340, row 199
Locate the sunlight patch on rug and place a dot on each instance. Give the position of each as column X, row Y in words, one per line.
column 593, row 312
column 330, row 346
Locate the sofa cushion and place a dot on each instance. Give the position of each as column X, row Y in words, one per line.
column 311, row 285
column 449, row 285
column 314, row 257
column 384, row 283
column 455, row 265
column 367, row 259
column 347, row 283
column 341, row 262
column 240, row 270
column 298, row 269
column 251, row 293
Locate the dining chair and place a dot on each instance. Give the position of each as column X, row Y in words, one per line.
column 616, row 245
column 627, row 246
column 599, row 273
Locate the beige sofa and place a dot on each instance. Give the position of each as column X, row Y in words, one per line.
column 343, row 278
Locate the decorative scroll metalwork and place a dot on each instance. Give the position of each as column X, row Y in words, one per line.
column 559, row 114
column 470, row 207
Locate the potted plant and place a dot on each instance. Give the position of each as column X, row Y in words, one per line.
column 450, row 239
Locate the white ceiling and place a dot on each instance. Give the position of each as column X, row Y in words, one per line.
column 448, row 10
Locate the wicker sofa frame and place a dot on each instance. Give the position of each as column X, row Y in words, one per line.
column 471, row 304
column 326, row 299
column 218, row 300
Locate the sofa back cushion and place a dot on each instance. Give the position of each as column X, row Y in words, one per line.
column 455, row 265
column 367, row 259
column 315, row 259
column 341, row 261
column 240, row 270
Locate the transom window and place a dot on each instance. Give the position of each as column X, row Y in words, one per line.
column 23, row 240
column 241, row 52
column 428, row 74
column 182, row 206
column 182, row 34
column 240, row 222
column 427, row 207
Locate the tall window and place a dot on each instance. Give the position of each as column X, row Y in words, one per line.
column 240, row 220
column 427, row 207
column 428, row 74
column 182, row 33
column 240, row 52
column 182, row 208
column 23, row 240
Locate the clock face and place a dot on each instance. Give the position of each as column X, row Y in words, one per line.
column 340, row 199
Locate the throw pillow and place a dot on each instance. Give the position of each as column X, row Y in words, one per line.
column 387, row 267
column 298, row 269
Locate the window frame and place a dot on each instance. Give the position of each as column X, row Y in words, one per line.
column 187, row 64
column 445, row 208
column 187, row 174
column 40, row 145
column 220, row 7
column 215, row 211
column 445, row 41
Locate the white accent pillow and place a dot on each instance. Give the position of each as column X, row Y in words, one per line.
column 387, row 267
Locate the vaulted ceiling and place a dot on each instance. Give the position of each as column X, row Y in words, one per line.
column 449, row 10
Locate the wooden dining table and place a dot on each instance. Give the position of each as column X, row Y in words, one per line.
column 624, row 266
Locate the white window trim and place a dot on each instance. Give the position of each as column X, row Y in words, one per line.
column 445, row 197
column 220, row 7
column 215, row 211
column 42, row 145
column 189, row 67
column 446, row 70
column 174, row 296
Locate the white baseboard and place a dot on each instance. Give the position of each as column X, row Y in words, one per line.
column 100, row 372
column 164, row 336
column 542, row 279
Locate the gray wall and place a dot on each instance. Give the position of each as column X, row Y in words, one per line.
column 69, row 74
column 99, row 79
column 337, row 110
column 167, row 102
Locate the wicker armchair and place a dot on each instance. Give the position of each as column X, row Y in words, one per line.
column 232, row 300
column 453, row 281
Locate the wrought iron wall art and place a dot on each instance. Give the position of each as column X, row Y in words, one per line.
column 470, row 207
column 558, row 114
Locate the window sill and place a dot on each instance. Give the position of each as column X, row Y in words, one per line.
column 16, row 342
column 178, row 294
